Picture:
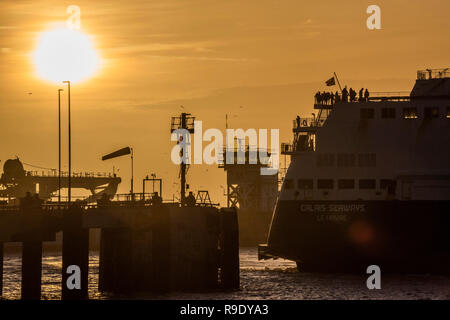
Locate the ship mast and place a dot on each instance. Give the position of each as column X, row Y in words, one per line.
column 184, row 121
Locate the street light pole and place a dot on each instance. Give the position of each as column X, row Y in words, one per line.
column 69, row 192
column 59, row 147
column 132, row 173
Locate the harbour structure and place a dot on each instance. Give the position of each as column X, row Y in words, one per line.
column 16, row 182
column 254, row 195
column 147, row 244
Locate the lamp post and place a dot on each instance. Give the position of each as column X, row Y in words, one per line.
column 59, row 147
column 132, row 173
column 69, row 187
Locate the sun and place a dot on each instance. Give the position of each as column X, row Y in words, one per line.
column 65, row 54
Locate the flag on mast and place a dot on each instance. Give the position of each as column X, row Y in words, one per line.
column 330, row 82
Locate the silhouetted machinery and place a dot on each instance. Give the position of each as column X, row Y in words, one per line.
column 15, row 182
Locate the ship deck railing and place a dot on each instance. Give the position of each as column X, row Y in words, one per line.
column 389, row 96
column 289, row 149
column 433, row 74
column 307, row 124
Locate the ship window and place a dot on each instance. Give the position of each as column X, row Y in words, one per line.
column 346, row 184
column 367, row 184
column 388, row 113
column 389, row 185
column 289, row 184
column 367, row 160
column 325, row 184
column 305, row 184
column 325, row 160
column 367, row 113
column 346, row 160
column 410, row 113
column 386, row 183
column 448, row 112
column 431, row 112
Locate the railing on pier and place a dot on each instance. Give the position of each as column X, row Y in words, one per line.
column 116, row 199
column 54, row 173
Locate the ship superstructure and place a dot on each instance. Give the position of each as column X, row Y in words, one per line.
column 368, row 177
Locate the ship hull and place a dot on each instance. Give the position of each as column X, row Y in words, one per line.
column 399, row 236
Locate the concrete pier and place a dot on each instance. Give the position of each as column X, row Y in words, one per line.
column 144, row 248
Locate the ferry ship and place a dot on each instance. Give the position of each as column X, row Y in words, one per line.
column 369, row 184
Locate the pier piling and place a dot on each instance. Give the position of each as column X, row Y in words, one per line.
column 229, row 242
column 161, row 249
column 75, row 252
column 123, row 261
column 106, row 261
column 31, row 270
column 31, row 248
column 1, row 268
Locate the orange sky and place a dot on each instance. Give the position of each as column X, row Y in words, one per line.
column 260, row 61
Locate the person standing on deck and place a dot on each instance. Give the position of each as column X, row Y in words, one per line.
column 360, row 95
column 366, row 95
column 345, row 94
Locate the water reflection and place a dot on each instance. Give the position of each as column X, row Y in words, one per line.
column 271, row 279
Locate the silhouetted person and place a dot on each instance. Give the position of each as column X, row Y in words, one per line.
column 345, row 95
column 26, row 201
column 156, row 199
column 366, row 95
column 360, row 95
column 332, row 98
column 318, row 97
column 190, row 200
column 337, row 98
column 352, row 95
column 37, row 201
column 298, row 121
